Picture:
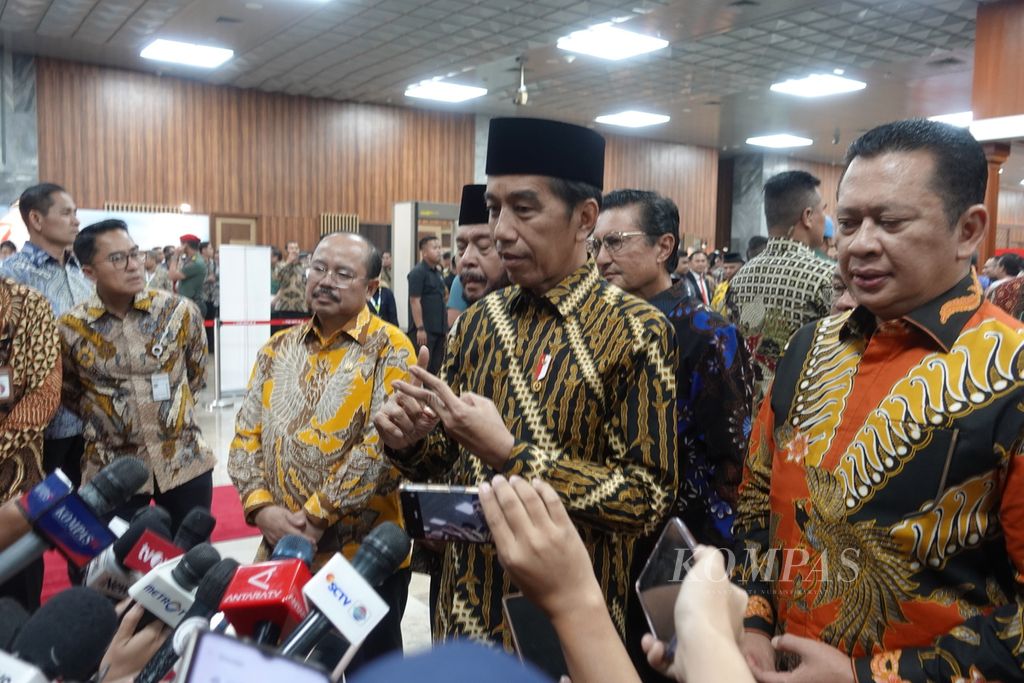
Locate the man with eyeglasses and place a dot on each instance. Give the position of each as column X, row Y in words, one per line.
column 306, row 458
column 635, row 246
column 134, row 361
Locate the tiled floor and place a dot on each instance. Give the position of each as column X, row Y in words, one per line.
column 218, row 428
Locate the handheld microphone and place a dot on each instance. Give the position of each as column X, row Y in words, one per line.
column 342, row 595
column 265, row 600
column 195, row 528
column 160, row 513
column 208, row 597
column 108, row 573
column 65, row 639
column 169, row 591
column 73, row 525
column 12, row 617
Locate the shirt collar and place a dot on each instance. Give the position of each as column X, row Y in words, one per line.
column 568, row 294
column 40, row 257
column 942, row 319
column 358, row 329
column 94, row 308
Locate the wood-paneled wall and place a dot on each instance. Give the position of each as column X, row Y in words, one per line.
column 828, row 174
column 1011, row 219
column 688, row 175
column 116, row 135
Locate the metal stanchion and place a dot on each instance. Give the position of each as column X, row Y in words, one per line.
column 218, row 400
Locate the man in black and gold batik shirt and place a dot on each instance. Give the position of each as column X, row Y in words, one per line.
column 882, row 505
column 560, row 376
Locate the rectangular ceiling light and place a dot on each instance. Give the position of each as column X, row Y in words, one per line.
column 633, row 119
column 442, row 91
column 779, row 140
column 818, row 85
column 961, row 119
column 189, row 54
column 999, row 128
column 608, row 41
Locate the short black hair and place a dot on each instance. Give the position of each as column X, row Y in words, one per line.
column 424, row 241
column 274, row 251
column 373, row 261
column 755, row 245
column 203, row 245
column 961, row 171
column 168, row 251
column 697, row 252
column 9, row 244
column 658, row 216
column 85, row 242
column 1011, row 263
column 573, row 192
column 37, row 198
column 786, row 195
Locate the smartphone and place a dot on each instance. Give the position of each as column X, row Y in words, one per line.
column 217, row 658
column 438, row 512
column 534, row 636
column 662, row 577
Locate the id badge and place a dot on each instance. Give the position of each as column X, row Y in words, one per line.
column 5, row 385
column 161, row 386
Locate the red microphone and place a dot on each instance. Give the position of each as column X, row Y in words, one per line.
column 151, row 550
column 264, row 601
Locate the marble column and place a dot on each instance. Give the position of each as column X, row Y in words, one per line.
column 19, row 138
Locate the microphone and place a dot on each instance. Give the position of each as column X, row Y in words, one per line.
column 65, row 639
column 342, row 595
column 195, row 528
column 265, row 600
column 108, row 573
column 73, row 524
column 12, row 617
column 208, row 597
column 169, row 591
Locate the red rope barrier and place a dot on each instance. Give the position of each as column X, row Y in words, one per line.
column 243, row 323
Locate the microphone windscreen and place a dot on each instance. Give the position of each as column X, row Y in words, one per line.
column 163, row 515
column 195, row 528
column 12, row 617
column 212, row 588
column 66, row 637
column 140, row 523
column 194, row 565
column 114, row 485
column 381, row 553
column 294, row 547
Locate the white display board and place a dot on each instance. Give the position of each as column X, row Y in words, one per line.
column 244, row 296
column 150, row 230
column 403, row 256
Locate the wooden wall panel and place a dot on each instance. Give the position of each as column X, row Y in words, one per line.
column 687, row 175
column 117, row 135
column 998, row 85
column 828, row 174
column 1011, row 219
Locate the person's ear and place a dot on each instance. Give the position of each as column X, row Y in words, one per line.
column 970, row 230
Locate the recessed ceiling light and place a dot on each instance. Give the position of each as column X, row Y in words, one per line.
column 779, row 140
column 444, row 91
column 190, row 54
column 818, row 85
column 999, row 128
column 633, row 119
column 1022, row 182
column 610, row 42
column 961, row 119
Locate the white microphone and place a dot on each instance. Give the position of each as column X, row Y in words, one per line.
column 168, row 591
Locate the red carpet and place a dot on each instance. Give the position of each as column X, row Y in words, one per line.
column 226, row 508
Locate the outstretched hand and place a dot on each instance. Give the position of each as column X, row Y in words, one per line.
column 404, row 420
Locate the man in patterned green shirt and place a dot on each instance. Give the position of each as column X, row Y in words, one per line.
column 560, row 376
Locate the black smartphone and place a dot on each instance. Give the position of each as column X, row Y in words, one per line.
column 534, row 636
column 662, row 577
column 438, row 512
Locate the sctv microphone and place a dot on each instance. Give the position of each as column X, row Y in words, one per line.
column 341, row 595
column 65, row 639
column 74, row 525
column 168, row 591
column 265, row 600
column 108, row 573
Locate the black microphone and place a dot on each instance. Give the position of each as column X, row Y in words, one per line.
column 12, row 617
column 156, row 511
column 208, row 596
column 380, row 555
column 71, row 529
column 68, row 636
column 195, row 528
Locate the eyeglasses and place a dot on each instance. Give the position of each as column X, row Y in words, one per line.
column 613, row 242
column 120, row 259
column 318, row 271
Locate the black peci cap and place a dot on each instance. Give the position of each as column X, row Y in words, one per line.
column 518, row 146
column 473, row 210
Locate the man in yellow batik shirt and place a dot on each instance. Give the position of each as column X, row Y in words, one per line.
column 306, row 458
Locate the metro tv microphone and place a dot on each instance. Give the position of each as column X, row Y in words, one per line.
column 265, row 600
column 341, row 595
column 74, row 525
column 108, row 573
column 208, row 596
column 169, row 591
column 65, row 639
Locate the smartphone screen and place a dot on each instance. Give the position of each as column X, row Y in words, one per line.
column 534, row 636
column 217, row 658
column 662, row 577
column 444, row 513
